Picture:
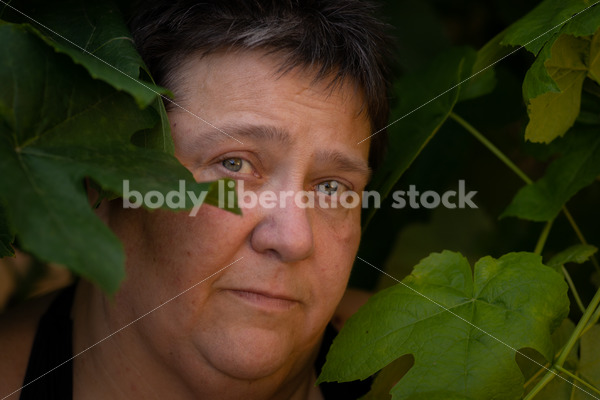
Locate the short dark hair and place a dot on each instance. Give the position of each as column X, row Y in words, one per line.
column 341, row 38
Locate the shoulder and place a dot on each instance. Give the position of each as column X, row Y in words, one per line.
column 17, row 331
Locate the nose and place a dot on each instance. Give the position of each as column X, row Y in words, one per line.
column 285, row 232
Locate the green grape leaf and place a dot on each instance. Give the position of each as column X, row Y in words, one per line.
column 418, row 116
column 537, row 80
column 578, row 253
column 58, row 126
column 536, row 28
column 577, row 168
column 553, row 113
column 94, row 35
column 462, row 327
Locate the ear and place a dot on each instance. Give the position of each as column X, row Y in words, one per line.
column 99, row 205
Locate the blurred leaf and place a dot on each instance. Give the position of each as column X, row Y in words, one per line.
column 6, row 236
column 515, row 299
column 537, row 27
column 421, row 111
column 110, row 55
column 577, row 168
column 589, row 361
column 57, row 126
column 552, row 113
column 578, row 253
column 594, row 58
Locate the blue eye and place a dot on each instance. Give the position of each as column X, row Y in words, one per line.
column 233, row 164
column 328, row 187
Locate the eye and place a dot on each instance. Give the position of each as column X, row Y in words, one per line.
column 328, row 187
column 236, row 164
column 233, row 164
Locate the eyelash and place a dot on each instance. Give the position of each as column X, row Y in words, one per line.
column 222, row 161
column 340, row 186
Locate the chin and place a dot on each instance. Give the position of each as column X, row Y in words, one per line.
column 253, row 353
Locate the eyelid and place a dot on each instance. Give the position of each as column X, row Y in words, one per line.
column 219, row 160
column 344, row 185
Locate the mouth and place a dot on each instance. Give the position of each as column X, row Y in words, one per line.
column 264, row 300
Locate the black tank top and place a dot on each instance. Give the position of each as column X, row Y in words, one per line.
column 49, row 373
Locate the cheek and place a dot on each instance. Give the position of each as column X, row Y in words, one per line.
column 337, row 243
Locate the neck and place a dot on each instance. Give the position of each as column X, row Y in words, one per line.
column 125, row 366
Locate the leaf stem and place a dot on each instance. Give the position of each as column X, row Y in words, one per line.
column 573, row 289
column 579, row 329
column 578, row 379
column 490, row 146
column 594, row 318
column 535, row 376
column 543, row 236
column 540, row 385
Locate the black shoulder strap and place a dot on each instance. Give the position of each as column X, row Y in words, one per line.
column 52, row 346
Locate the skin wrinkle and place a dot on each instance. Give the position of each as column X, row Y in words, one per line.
column 212, row 338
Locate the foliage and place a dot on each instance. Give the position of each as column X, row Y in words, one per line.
column 454, row 323
column 66, row 115
column 77, row 103
column 437, row 315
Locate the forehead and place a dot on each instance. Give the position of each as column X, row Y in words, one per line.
column 230, row 90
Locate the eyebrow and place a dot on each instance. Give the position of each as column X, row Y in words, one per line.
column 269, row 133
column 248, row 131
column 342, row 162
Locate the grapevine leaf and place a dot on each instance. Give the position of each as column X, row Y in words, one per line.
column 537, row 80
column 553, row 113
column 536, row 28
column 419, row 116
column 95, row 36
column 516, row 300
column 578, row 253
column 577, row 168
column 99, row 29
column 57, row 126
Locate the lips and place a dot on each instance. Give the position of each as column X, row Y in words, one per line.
column 265, row 299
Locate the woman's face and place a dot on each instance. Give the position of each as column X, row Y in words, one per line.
column 263, row 314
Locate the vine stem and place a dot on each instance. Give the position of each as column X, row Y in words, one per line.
column 490, row 146
column 573, row 289
column 583, row 322
column 543, row 236
column 593, row 321
column 581, row 325
column 540, row 385
column 578, row 379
